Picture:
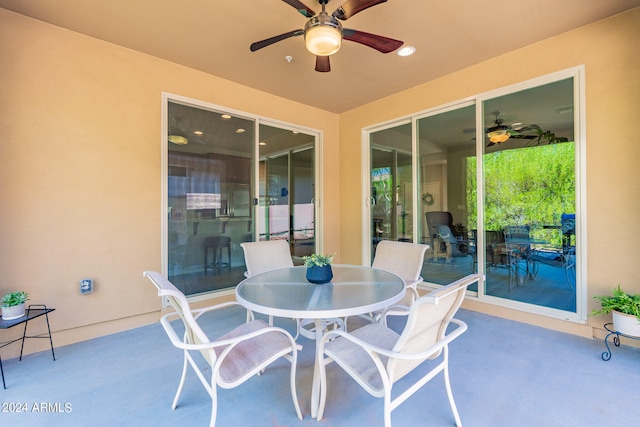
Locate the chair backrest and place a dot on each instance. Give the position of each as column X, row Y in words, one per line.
column 444, row 233
column 493, row 236
column 193, row 333
column 427, row 323
column 401, row 258
column 516, row 232
column 518, row 235
column 435, row 218
column 266, row 255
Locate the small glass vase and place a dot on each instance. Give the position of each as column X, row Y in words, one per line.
column 319, row 275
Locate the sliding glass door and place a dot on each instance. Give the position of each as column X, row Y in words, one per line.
column 496, row 190
column 216, row 199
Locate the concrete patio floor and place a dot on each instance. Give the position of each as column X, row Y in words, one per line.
column 503, row 373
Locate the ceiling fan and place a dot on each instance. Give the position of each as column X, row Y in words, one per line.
column 499, row 132
column 323, row 33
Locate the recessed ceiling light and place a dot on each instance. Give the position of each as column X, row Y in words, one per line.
column 564, row 110
column 226, row 116
column 407, row 51
column 262, row 143
column 240, row 130
column 198, row 132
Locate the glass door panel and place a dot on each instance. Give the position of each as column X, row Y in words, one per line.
column 274, row 223
column 391, row 183
column 448, row 215
column 208, row 192
column 529, row 166
column 287, row 188
column 303, row 199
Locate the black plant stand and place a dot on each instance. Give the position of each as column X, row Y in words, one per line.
column 616, row 340
column 31, row 313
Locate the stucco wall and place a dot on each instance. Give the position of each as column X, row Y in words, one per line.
column 609, row 51
column 80, row 171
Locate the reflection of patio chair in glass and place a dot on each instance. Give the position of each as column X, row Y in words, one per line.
column 434, row 219
column 568, row 227
column 518, row 251
column 493, row 240
column 560, row 258
column 451, row 245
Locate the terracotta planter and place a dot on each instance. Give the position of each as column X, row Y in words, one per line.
column 13, row 312
column 626, row 324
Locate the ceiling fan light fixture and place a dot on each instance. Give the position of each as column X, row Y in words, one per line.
column 499, row 135
column 178, row 139
column 323, row 35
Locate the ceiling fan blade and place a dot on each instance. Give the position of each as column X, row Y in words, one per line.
column 322, row 64
column 351, row 7
column 264, row 43
column 379, row 43
column 301, row 8
column 521, row 136
column 528, row 128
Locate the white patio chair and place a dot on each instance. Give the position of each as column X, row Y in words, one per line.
column 404, row 260
column 233, row 357
column 268, row 255
column 376, row 357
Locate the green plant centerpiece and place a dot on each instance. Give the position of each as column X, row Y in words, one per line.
column 625, row 309
column 13, row 305
column 318, row 268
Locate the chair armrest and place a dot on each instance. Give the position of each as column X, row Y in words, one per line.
column 231, row 342
column 399, row 309
column 200, row 311
column 416, row 282
column 459, row 330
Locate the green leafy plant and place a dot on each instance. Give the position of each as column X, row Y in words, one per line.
column 318, row 260
column 14, row 298
column 618, row 301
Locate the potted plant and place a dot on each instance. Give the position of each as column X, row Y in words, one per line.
column 13, row 305
column 318, row 268
column 624, row 308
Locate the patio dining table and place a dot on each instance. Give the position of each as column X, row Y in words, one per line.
column 354, row 290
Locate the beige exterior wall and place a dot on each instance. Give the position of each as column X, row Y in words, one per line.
column 609, row 50
column 80, row 162
column 80, row 169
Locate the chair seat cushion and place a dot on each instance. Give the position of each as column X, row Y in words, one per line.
column 252, row 353
column 355, row 360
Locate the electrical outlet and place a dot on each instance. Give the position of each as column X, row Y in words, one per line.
column 86, row 286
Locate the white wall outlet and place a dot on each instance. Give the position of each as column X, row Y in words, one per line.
column 86, row 286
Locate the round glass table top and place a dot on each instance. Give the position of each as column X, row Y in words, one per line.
column 353, row 290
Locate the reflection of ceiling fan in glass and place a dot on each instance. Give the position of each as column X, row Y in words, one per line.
column 500, row 132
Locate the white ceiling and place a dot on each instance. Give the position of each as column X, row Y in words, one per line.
column 214, row 36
